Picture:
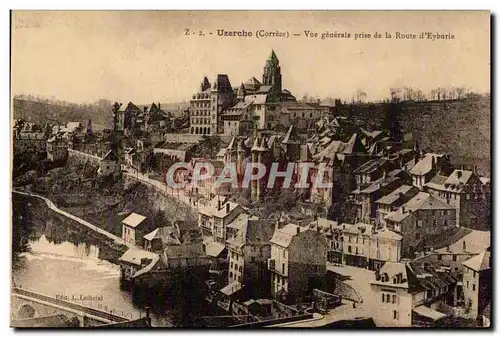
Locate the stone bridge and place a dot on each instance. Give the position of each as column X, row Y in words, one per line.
column 29, row 304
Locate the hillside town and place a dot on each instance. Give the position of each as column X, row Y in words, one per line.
column 396, row 235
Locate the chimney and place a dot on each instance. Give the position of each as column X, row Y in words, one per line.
column 227, row 207
column 145, row 108
column 159, row 105
column 403, row 208
column 298, row 230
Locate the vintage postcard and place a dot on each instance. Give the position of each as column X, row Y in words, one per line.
column 251, row 169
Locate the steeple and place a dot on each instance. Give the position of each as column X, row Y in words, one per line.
column 205, row 84
column 255, row 146
column 272, row 73
column 241, row 92
column 263, row 146
column 273, row 58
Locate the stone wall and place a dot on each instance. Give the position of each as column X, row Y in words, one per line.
column 174, row 209
column 75, row 156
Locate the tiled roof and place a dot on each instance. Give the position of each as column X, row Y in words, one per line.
column 222, row 213
column 475, row 243
column 421, row 201
column 378, row 184
column 459, row 177
column 212, row 207
column 395, row 195
column 388, row 234
column 135, row 256
column 284, row 236
column 354, row 145
column 424, row 165
column 168, row 235
column 214, row 249
column 359, row 228
column 133, row 220
column 479, row 262
column 331, row 150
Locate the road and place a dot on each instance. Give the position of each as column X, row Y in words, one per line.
column 87, row 224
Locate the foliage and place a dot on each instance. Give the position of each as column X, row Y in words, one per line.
column 21, row 227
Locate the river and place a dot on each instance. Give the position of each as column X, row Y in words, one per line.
column 64, row 261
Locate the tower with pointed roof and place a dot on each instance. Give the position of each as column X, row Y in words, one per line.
column 241, row 93
column 272, row 73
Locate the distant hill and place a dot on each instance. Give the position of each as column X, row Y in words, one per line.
column 43, row 110
column 460, row 128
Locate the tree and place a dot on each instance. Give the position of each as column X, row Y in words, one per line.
column 21, row 226
column 392, row 121
column 90, row 133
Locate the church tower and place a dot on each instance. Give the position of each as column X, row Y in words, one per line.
column 272, row 73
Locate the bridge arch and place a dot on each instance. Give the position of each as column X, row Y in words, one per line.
column 26, row 311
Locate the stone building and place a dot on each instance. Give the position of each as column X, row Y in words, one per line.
column 421, row 218
column 57, row 149
column 476, row 284
column 208, row 103
column 248, row 253
column 463, row 190
column 408, row 294
column 297, row 263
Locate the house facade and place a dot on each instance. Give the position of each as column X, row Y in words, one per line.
column 295, row 268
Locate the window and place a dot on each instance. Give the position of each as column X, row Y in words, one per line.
column 395, row 314
column 440, row 257
column 419, row 223
column 357, row 251
column 283, row 267
column 417, row 236
column 467, row 284
column 393, row 298
column 467, row 196
column 473, row 287
column 231, row 274
column 383, row 297
column 349, row 249
column 284, row 253
column 454, row 258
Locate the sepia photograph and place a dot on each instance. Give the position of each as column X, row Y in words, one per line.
column 250, row 169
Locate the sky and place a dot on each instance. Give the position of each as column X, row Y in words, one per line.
column 145, row 56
